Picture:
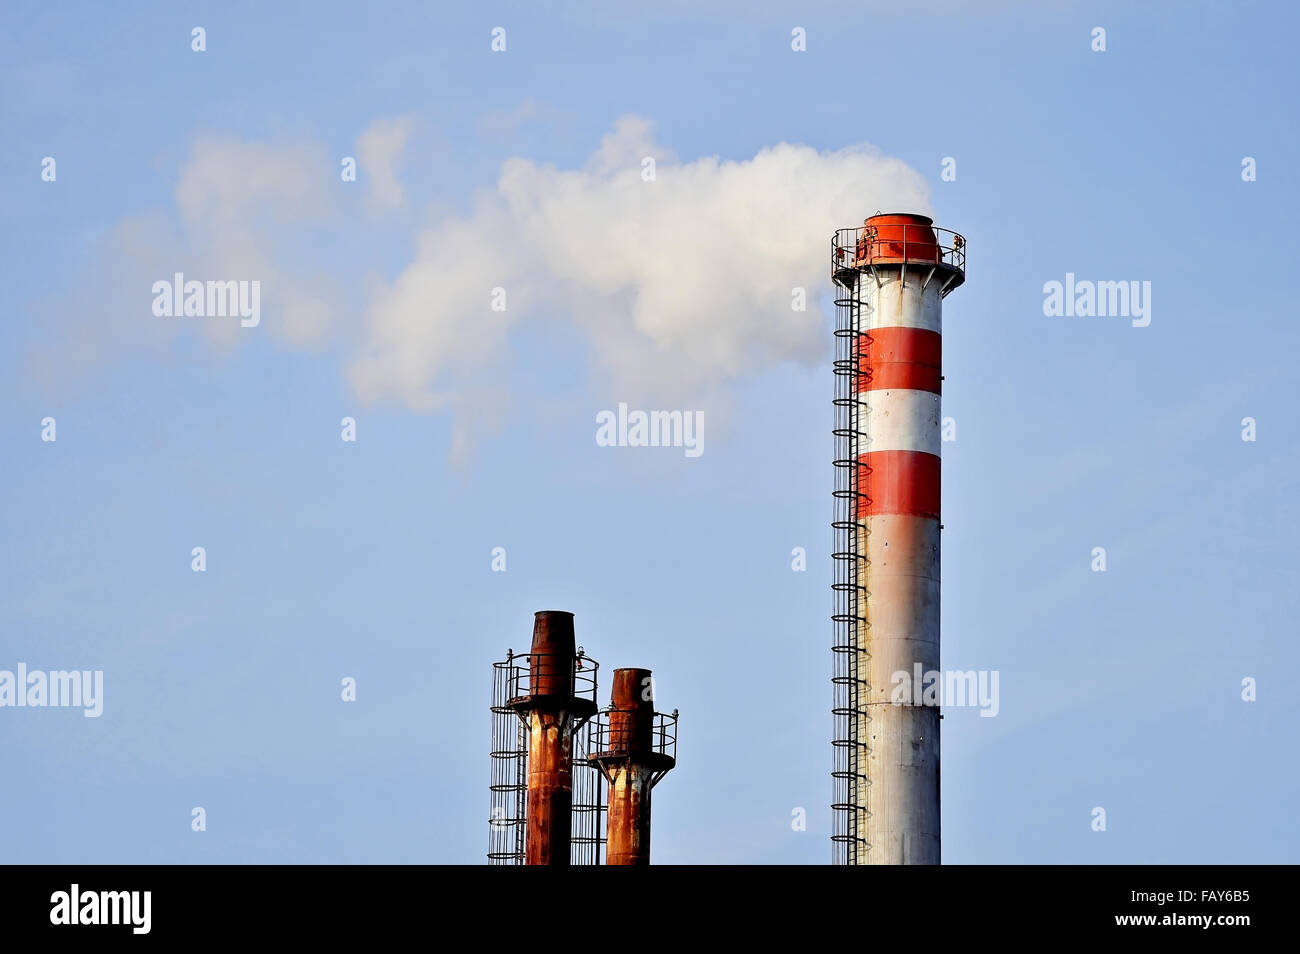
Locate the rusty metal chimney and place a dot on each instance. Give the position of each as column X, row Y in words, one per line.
column 551, row 709
column 635, row 748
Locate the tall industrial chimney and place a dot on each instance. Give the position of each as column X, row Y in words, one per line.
column 551, row 710
column 894, row 272
column 635, row 748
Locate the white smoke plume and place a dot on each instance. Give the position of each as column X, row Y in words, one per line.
column 682, row 283
column 679, row 276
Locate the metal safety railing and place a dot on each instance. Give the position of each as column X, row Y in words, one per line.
column 911, row 243
column 531, row 673
column 615, row 736
column 516, row 678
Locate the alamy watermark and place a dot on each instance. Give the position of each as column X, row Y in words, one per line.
column 651, row 429
column 128, row 908
column 55, row 689
column 1089, row 299
column 948, row 689
column 194, row 299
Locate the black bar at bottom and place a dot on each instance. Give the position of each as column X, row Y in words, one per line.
column 917, row 906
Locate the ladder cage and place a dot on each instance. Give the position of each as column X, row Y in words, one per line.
column 587, row 846
column 850, row 748
column 514, row 678
column 509, row 779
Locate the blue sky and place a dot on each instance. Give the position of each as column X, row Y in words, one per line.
column 372, row 559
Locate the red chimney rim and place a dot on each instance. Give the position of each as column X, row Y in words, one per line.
column 915, row 217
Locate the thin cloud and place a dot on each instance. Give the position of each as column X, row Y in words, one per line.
column 379, row 152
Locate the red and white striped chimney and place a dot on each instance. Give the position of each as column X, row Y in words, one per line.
column 895, row 270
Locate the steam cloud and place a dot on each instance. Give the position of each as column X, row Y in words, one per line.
column 680, row 283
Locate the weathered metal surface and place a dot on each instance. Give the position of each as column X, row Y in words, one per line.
column 552, row 655
column 628, row 841
column 550, row 788
column 631, row 712
column 633, row 754
column 548, row 710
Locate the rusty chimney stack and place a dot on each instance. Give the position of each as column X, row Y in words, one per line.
column 553, row 754
column 551, row 710
column 635, row 749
